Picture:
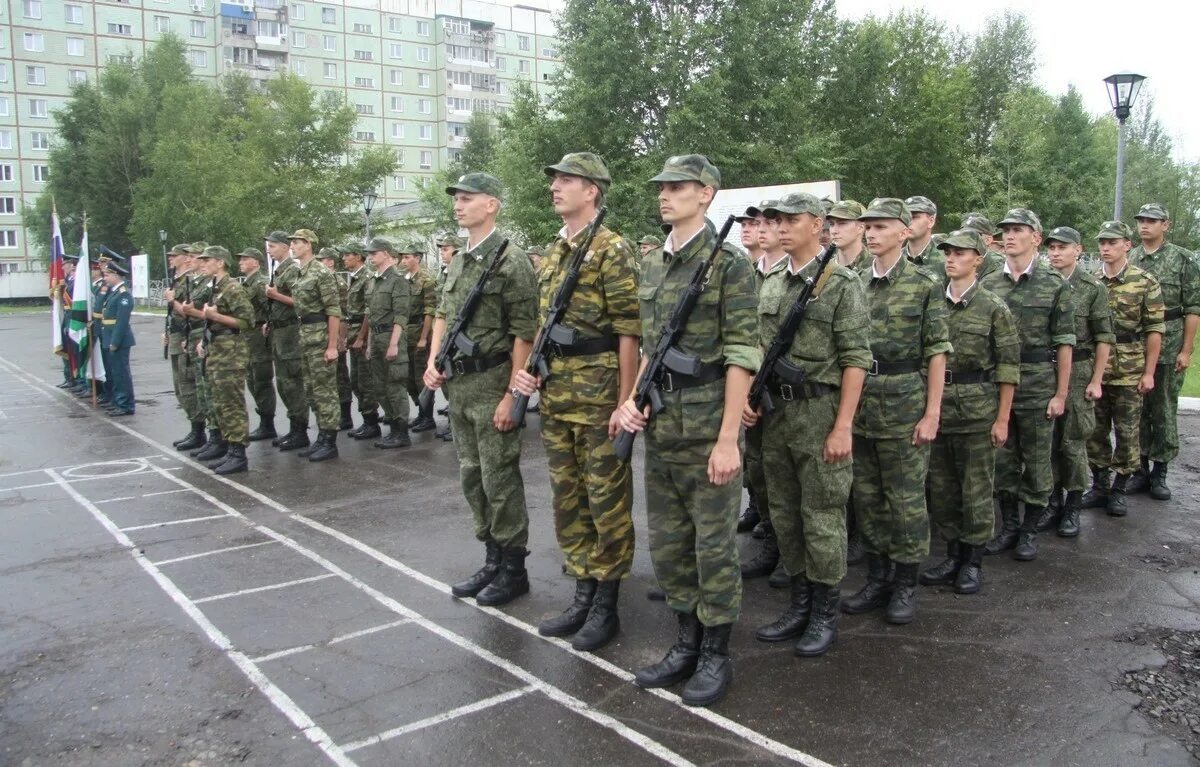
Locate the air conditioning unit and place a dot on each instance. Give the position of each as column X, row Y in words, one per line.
column 198, row 6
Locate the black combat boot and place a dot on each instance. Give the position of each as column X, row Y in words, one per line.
column 369, row 428
column 821, row 631
column 1139, row 481
column 1026, row 549
column 902, row 607
column 970, row 573
column 511, row 582
column 424, row 420
column 215, row 448
column 946, row 571
column 1051, row 513
column 1158, row 482
column 767, row 558
column 779, row 579
column 680, row 661
column 1117, row 506
column 1010, row 522
column 855, row 551
column 714, row 669
column 570, row 620
column 602, row 622
column 761, row 529
column 397, row 436
column 326, row 447
column 1068, row 526
column 749, row 516
column 656, row 594
column 235, row 461
column 878, row 589
column 1097, row 496
column 297, row 438
column 265, row 430
column 347, row 421
column 794, row 618
column 483, row 576
column 194, row 439
column 291, row 433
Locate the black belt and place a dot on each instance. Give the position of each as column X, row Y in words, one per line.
column 968, row 376
column 356, row 318
column 713, row 371
column 1129, row 338
column 1078, row 354
column 1039, row 355
column 178, row 326
column 282, row 324
column 893, row 368
column 587, row 347
column 1172, row 314
column 464, row 365
column 224, row 331
column 789, row 392
column 312, row 319
column 382, row 327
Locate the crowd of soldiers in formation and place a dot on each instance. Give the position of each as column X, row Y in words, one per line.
column 933, row 380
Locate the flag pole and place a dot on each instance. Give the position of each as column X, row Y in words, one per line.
column 92, row 353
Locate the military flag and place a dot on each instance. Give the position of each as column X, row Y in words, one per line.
column 87, row 349
column 56, row 280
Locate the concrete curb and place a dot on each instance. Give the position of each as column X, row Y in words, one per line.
column 1189, row 404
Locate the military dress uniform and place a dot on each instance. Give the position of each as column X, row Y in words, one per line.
column 315, row 293
column 227, row 359
column 360, row 371
column 388, row 302
column 260, row 372
column 286, row 352
column 117, row 339
column 100, row 294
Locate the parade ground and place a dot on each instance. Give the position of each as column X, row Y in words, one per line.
column 152, row 613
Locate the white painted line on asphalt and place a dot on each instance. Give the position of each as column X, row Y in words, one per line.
column 202, row 554
column 343, row 638
column 163, row 492
column 72, row 480
column 315, row 734
column 116, row 500
column 447, row 716
column 258, row 589
column 187, row 521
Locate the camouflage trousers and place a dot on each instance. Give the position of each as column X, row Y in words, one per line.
column 320, row 377
column 1118, row 413
column 962, row 473
column 361, row 384
column 1160, row 414
column 345, row 390
column 889, row 497
column 203, row 396
column 754, row 472
column 418, row 360
column 228, row 360
column 289, row 372
column 1023, row 464
column 183, row 375
column 260, row 373
column 809, row 495
column 1071, row 433
column 389, row 379
column 489, row 461
column 593, row 499
column 693, row 531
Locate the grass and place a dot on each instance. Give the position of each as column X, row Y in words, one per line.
column 1191, row 384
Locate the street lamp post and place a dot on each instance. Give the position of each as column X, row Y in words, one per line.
column 1123, row 89
column 368, row 202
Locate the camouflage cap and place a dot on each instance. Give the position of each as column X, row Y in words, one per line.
column 179, row 250
column 254, row 253
column 651, row 240
column 969, row 239
column 827, row 205
column 331, row 254
column 451, row 239
column 939, row 238
column 477, row 183
column 1064, row 234
column 196, row 248
column 410, row 245
column 218, row 252
column 1022, row 216
column 307, row 235
column 278, row 236
column 584, row 164
column 1153, row 210
column 847, row 210
column 979, row 223
column 378, row 244
column 921, row 204
column 754, row 211
column 1115, row 230
column 689, row 167
column 887, row 207
column 351, row 249
column 794, row 203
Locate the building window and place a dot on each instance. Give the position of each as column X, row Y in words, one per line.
column 458, row 130
column 364, row 56
column 423, row 29
column 426, row 159
column 5, row 139
column 395, row 51
column 199, row 58
column 5, row 172
column 425, row 106
column 32, row 8
column 395, row 24
column 270, row 28
column 331, row 71
column 3, row 106
column 328, row 16
column 8, row 239
column 162, row 24
column 426, row 133
column 298, row 39
column 73, row 14
column 364, row 29
column 35, row 75
column 197, row 28
column 397, row 104
column 74, row 46
column 365, row 82
column 120, row 29
column 423, row 54
column 300, row 67
column 457, row 104
column 460, row 78
column 8, row 205
column 501, row 40
column 550, row 53
column 297, row 12
column 41, row 173
column 76, row 76
column 364, row 109
column 423, row 79
column 523, row 66
column 396, row 76
column 397, row 130
column 501, row 63
column 364, row 135
column 35, row 41
column 501, row 88
column 522, row 42
column 40, row 140
column 329, row 42
column 398, row 184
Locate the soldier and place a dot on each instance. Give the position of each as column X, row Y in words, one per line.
column 230, row 318
column 182, row 372
column 920, row 248
column 649, row 243
column 260, row 372
column 982, row 371
column 593, row 489
column 1040, row 302
column 693, row 451
column 448, row 246
column 898, row 417
column 318, row 307
column 1093, row 342
column 388, row 302
column 1135, row 299
column 100, row 292
column 284, row 333
column 536, row 255
column 1178, row 273
column 64, row 297
column 332, row 259
column 489, row 445
column 117, row 339
column 993, row 260
column 422, row 304
column 361, row 384
column 200, row 294
column 846, row 232
column 807, row 440
column 748, row 225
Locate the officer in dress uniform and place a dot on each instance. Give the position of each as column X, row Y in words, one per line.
column 117, row 338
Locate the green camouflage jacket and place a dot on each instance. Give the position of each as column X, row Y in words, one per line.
column 423, row 298
column 356, row 298
column 255, row 287
column 1178, row 274
column 287, row 272
column 315, row 291
column 985, row 338
column 509, row 306
column 201, row 294
column 992, row 262
column 1136, row 302
column 931, row 259
column 388, row 301
column 182, row 287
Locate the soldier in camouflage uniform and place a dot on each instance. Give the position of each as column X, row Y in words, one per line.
column 200, row 292
column 283, row 330
column 649, row 243
column 693, row 449
column 846, row 231
column 1178, row 273
column 318, row 307
column 260, row 374
column 448, row 246
column 388, row 302
column 230, row 317
column 488, row 442
column 332, row 259
column 182, row 372
column 1093, row 343
column 898, row 416
column 361, row 383
column 1040, row 302
column 993, row 260
column 920, row 248
column 807, row 440
column 982, row 371
column 1135, row 299
column 422, row 305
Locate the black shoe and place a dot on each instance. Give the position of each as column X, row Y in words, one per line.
column 655, row 594
column 297, row 438
column 878, row 588
column 1139, row 481
column 767, row 559
column 444, row 410
column 760, row 530
column 714, row 669
column 946, row 571
column 326, row 447
column 397, row 436
column 749, row 516
column 447, row 435
column 902, row 607
column 369, row 428
column 1010, row 521
column 1117, row 507
column 1097, row 496
column 1026, row 549
column 214, row 435
column 422, row 423
column 970, row 574
column 779, row 579
column 347, row 421
column 235, row 461
column 511, row 582
column 821, row 631
column 794, row 618
column 265, row 430
column 1068, row 525
column 572, row 619
column 1047, row 519
column 855, row 551
column 292, row 426
column 483, row 576
column 195, row 438
column 680, row 661
column 602, row 623
column 1158, row 482
column 118, row 412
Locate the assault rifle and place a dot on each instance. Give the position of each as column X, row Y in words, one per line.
column 170, row 276
column 207, row 340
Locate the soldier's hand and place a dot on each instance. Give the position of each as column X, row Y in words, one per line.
column 999, row 433
column 272, row 292
column 164, row 339
column 526, row 383
column 631, row 419
column 1093, row 392
column 331, row 355
column 502, row 419
column 724, row 462
column 201, row 349
column 422, row 343
column 750, row 416
column 1183, row 361
column 168, row 295
column 1056, row 408
column 112, row 347
column 837, row 445
column 357, row 345
column 926, row 430
column 209, row 311
column 393, row 351
column 266, row 330
column 432, row 379
column 1146, row 383
column 614, row 423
